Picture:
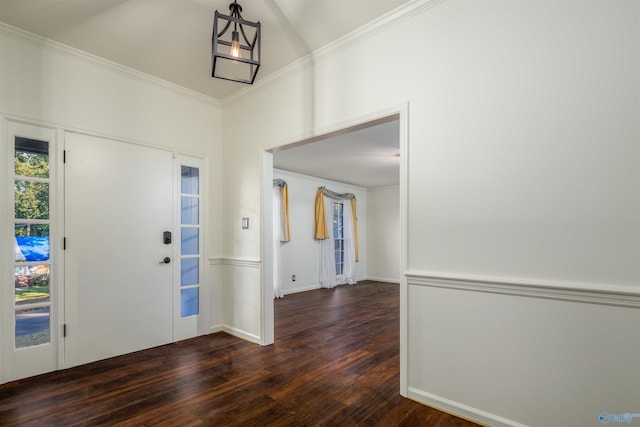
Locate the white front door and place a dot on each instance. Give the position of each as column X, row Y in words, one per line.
column 119, row 200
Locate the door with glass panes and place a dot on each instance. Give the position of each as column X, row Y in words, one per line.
column 132, row 277
column 30, row 308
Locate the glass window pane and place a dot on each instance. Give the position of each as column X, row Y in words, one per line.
column 189, row 271
column 31, row 199
column 189, row 180
column 31, row 284
column 189, row 241
column 31, row 242
column 189, row 302
column 337, row 220
column 189, row 210
column 32, row 327
column 31, row 158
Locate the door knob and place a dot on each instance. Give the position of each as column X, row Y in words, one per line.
column 166, row 260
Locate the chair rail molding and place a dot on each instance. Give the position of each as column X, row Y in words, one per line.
column 238, row 262
column 620, row 296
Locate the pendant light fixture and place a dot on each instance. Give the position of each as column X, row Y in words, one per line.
column 235, row 46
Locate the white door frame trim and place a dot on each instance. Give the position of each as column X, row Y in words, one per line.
column 398, row 111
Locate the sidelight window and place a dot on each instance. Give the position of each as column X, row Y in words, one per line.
column 32, row 251
column 190, row 230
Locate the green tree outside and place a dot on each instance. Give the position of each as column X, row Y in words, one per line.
column 31, row 198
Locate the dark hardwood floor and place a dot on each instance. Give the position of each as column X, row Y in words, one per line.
column 335, row 362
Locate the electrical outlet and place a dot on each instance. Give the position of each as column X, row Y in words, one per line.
column 293, row 278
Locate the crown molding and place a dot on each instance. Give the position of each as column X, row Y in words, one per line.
column 315, row 179
column 389, row 20
column 40, row 41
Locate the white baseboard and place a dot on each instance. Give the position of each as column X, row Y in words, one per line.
column 241, row 334
column 216, row 328
column 382, row 279
column 318, row 286
column 296, row 290
column 460, row 410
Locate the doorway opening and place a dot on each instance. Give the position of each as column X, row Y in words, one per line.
column 368, row 155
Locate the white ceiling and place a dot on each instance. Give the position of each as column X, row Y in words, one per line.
column 368, row 157
column 171, row 40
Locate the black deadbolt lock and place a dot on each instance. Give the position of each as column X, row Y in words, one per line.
column 166, row 237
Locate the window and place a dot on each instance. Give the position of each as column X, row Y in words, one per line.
column 189, row 241
column 32, row 257
column 338, row 236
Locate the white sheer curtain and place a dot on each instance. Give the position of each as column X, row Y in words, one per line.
column 328, row 277
column 349, row 275
column 277, row 236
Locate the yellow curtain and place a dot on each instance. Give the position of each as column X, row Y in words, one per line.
column 285, row 200
column 321, row 224
column 355, row 226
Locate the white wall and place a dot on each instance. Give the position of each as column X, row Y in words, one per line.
column 46, row 83
column 383, row 233
column 523, row 210
column 301, row 255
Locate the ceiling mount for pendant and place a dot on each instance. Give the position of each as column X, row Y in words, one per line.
column 235, row 46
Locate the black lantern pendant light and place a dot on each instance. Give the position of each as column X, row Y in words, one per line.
column 235, row 50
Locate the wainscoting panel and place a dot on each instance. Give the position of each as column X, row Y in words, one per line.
column 216, row 278
column 520, row 353
column 240, row 297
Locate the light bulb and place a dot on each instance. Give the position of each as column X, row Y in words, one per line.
column 235, row 45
